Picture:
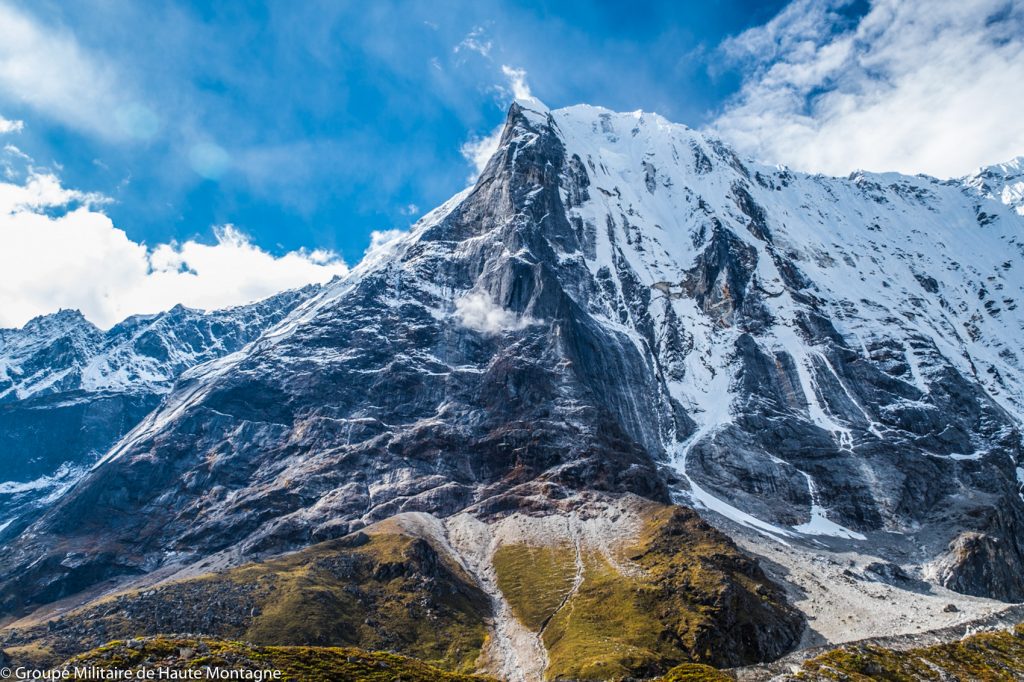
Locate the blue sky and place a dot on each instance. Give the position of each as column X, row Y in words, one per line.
column 335, row 118
column 309, row 125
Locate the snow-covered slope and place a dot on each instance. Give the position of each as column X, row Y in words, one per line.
column 914, row 279
column 68, row 390
column 1003, row 182
column 884, row 256
column 65, row 352
column 619, row 304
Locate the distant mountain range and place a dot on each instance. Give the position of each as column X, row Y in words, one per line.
column 69, row 391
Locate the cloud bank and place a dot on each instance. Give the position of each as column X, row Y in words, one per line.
column 59, row 250
column 930, row 86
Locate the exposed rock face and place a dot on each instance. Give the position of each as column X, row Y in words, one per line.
column 984, row 564
column 621, row 305
column 69, row 391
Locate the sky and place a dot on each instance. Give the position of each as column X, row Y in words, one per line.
column 214, row 153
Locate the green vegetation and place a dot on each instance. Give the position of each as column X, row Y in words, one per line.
column 386, row 591
column 393, row 593
column 535, row 580
column 681, row 592
column 988, row 656
column 694, row 672
column 296, row 663
column 32, row 655
column 689, row 596
column 607, row 631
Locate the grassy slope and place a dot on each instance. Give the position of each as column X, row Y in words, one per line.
column 694, row 597
column 298, row 663
column 989, row 656
column 694, row 672
column 535, row 580
column 392, row 593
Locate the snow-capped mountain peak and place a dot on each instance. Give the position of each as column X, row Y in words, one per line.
column 1002, row 182
column 619, row 304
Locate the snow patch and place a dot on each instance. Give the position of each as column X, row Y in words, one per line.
column 703, row 499
column 820, row 523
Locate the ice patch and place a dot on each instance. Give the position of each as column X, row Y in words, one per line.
column 54, row 486
column 791, row 343
column 60, row 479
column 819, row 523
column 15, row 487
column 960, row 457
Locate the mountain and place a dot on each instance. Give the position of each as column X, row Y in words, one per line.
column 621, row 316
column 1003, row 182
column 69, row 391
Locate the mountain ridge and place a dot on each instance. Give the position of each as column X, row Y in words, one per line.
column 68, row 390
column 618, row 306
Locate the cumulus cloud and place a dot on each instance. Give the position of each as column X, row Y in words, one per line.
column 477, row 311
column 379, row 238
column 913, row 85
column 479, row 150
column 9, row 126
column 59, row 250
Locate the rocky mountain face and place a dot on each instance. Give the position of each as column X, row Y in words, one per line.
column 69, row 391
column 618, row 307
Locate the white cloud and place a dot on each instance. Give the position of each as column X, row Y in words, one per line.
column 9, row 126
column 475, row 41
column 48, row 70
column 479, row 150
column 913, row 86
column 409, row 210
column 476, row 310
column 39, row 191
column 379, row 238
column 58, row 250
column 382, row 244
column 517, row 82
